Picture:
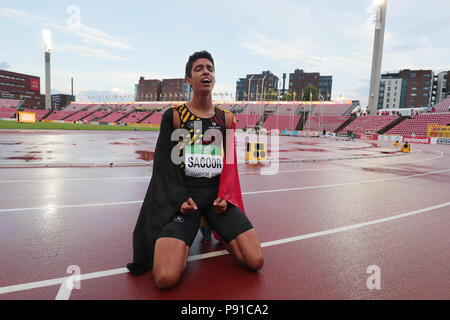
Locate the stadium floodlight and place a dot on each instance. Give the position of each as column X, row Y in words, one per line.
column 249, row 97
column 47, row 40
column 262, row 89
column 377, row 56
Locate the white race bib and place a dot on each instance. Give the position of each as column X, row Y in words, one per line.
column 203, row 161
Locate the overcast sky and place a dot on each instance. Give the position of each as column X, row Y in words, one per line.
column 113, row 43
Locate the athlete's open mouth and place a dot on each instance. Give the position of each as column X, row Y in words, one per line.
column 206, row 80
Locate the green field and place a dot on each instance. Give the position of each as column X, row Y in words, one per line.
column 68, row 126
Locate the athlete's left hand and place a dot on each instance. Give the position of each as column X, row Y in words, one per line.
column 220, row 205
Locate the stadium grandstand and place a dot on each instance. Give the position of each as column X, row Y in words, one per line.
column 418, row 124
column 328, row 123
column 282, row 122
column 335, row 109
column 135, row 117
column 316, row 116
column 369, row 124
column 10, row 103
column 7, row 112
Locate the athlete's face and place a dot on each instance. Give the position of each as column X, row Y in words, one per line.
column 203, row 77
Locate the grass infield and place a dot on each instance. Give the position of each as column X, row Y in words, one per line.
column 68, row 126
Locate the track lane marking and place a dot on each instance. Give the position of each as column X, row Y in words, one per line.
column 242, row 173
column 244, row 193
column 106, row 273
column 148, row 177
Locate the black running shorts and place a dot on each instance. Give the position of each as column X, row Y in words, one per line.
column 228, row 225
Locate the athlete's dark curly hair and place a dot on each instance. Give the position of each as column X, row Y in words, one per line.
column 194, row 57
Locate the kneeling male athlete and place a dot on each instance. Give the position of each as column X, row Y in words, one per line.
column 204, row 184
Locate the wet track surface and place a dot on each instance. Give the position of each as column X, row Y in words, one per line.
column 322, row 224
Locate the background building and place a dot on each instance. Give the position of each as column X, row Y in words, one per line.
column 442, row 86
column 149, row 90
column 325, row 85
column 417, row 88
column 299, row 80
column 174, row 90
column 163, row 90
column 406, row 89
column 241, row 87
column 21, row 87
column 448, row 84
column 390, row 91
column 253, row 86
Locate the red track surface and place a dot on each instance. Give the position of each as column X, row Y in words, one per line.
column 51, row 218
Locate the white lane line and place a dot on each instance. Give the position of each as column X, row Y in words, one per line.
column 100, row 274
column 422, row 160
column 354, row 226
column 441, row 154
column 146, row 177
column 32, row 285
column 345, row 184
column 244, row 193
column 293, row 170
column 73, row 206
column 75, row 179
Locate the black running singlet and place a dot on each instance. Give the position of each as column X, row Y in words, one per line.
column 202, row 159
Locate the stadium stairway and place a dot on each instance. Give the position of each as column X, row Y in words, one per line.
column 147, row 116
column 264, row 118
column 303, row 115
column 392, row 124
column 86, row 115
column 126, row 115
column 47, row 114
column 345, row 124
column 98, row 119
column 351, row 108
column 71, row 115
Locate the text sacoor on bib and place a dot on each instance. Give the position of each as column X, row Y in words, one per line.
column 203, row 161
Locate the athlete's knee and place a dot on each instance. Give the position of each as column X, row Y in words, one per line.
column 165, row 279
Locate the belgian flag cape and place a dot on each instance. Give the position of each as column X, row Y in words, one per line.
column 167, row 192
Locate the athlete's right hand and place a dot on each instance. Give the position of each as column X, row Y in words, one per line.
column 188, row 206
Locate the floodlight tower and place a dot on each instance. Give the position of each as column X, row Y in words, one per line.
column 47, row 41
column 377, row 56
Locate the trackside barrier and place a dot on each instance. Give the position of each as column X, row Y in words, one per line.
column 289, row 133
column 443, row 141
column 435, row 130
column 390, row 138
column 369, row 136
column 421, row 140
column 26, row 117
column 144, row 125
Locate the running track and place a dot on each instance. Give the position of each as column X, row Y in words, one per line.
column 322, row 224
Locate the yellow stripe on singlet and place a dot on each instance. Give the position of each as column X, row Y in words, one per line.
column 184, row 111
column 186, row 117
